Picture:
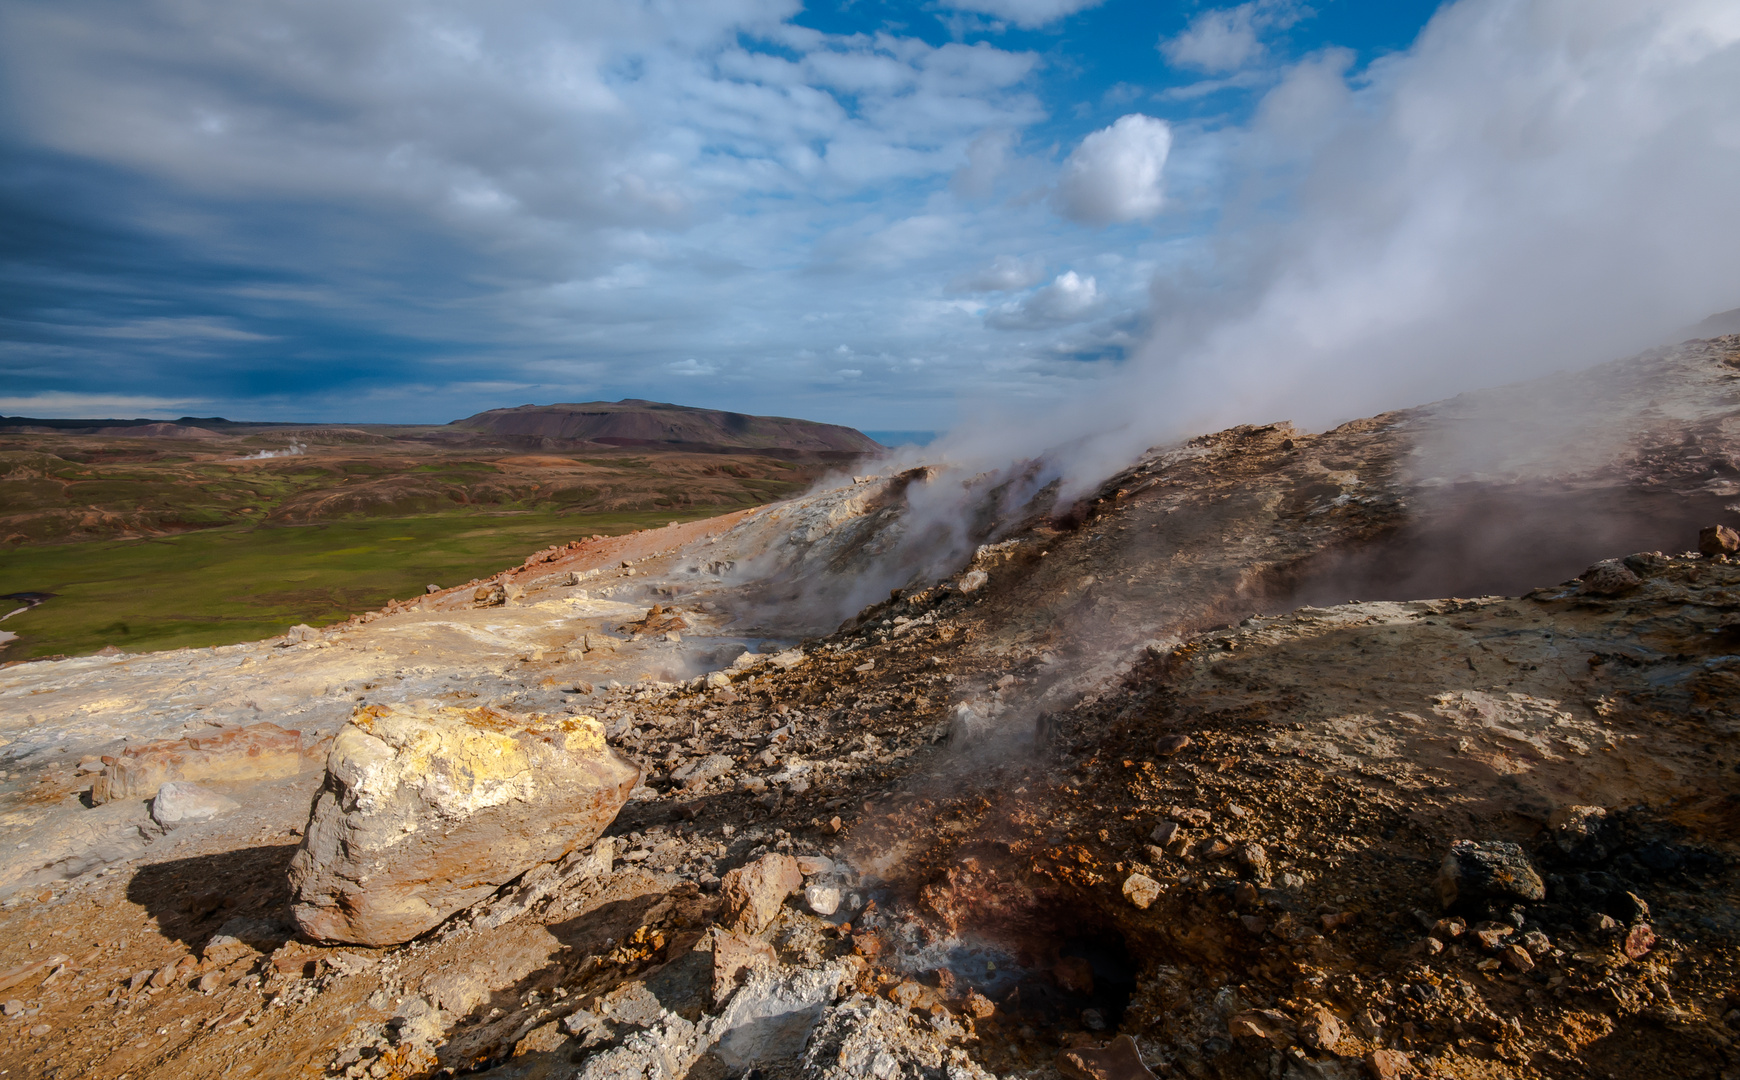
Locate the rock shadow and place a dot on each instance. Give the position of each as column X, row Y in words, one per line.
column 191, row 898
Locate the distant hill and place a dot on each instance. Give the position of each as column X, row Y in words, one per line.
column 1727, row 322
column 636, row 423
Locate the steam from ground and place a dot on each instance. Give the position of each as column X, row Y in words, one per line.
column 1532, row 186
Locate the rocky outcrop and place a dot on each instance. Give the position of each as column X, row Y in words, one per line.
column 426, row 810
column 228, row 755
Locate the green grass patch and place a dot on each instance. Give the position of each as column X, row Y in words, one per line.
column 242, row 582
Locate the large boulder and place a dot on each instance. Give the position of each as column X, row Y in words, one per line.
column 427, row 809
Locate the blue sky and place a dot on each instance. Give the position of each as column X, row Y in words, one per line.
column 883, row 214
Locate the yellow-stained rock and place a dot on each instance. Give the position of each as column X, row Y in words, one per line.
column 427, row 809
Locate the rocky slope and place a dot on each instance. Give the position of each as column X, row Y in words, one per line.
column 1090, row 770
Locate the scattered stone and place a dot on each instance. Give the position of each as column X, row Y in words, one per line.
column 1575, row 828
column 822, row 899
column 1164, row 832
column 978, row 1005
column 1320, row 1030
column 1141, row 890
column 261, row 751
column 240, row 937
column 771, row 1017
column 12, row 1007
column 1716, row 540
column 814, row 865
column 973, row 580
column 40, row 1030
column 1255, row 859
column 753, row 893
column 1492, row 871
column 1387, row 1064
column 179, row 802
column 1517, row 959
column 431, row 590
column 1266, row 1025
column 1639, row 941
column 426, row 810
column 1117, row 1060
column 489, row 596
column 701, row 770
column 1609, row 577
column 1196, row 819
column 1336, row 920
column 209, row 982
column 1170, row 745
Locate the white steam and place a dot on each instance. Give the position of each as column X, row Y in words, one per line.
column 295, row 449
column 1532, row 186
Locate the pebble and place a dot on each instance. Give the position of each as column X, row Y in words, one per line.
column 1164, row 832
column 12, row 1007
column 40, row 1030
column 822, row 899
column 1172, row 744
column 1141, row 890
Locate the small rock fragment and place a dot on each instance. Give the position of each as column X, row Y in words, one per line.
column 1639, row 941
column 822, row 899
column 1141, row 890
column 1164, row 832
column 733, row 953
column 754, row 892
column 1266, row 1025
column 1517, row 959
column 1387, row 1064
column 812, row 865
column 1170, row 745
column 1609, row 577
column 179, row 803
column 12, row 1007
column 1117, row 1060
column 1716, row 540
column 1320, row 1030
column 1487, row 871
column 977, row 1005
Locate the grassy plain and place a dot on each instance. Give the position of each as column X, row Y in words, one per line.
column 241, row 583
column 192, row 537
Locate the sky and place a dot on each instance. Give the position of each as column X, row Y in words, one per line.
column 1066, row 215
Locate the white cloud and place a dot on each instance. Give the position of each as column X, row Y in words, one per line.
column 692, row 367
column 987, row 157
column 1224, row 40
column 1028, row 14
column 1115, row 174
column 1069, row 298
column 1006, row 273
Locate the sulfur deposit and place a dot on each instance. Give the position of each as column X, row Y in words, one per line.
column 425, row 810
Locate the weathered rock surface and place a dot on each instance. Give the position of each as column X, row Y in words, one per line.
column 425, row 811
column 228, row 755
column 1493, row 871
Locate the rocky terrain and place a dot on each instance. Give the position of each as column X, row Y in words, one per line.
column 633, row 422
column 1402, row 749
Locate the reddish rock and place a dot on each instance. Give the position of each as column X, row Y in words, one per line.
column 1639, row 941
column 1320, row 1030
column 978, row 1005
column 1718, row 540
column 1387, row 1064
column 1517, row 958
column 753, row 893
column 1266, row 1025
column 1172, row 744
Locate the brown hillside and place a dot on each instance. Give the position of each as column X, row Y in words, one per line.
column 633, row 422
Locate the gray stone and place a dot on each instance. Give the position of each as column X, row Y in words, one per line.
column 180, row 803
column 1495, row 871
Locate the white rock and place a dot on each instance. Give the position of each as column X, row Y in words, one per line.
column 814, row 865
column 822, row 899
column 181, row 803
column 1141, row 890
column 973, row 580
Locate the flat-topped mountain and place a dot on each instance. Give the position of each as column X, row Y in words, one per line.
column 634, row 422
